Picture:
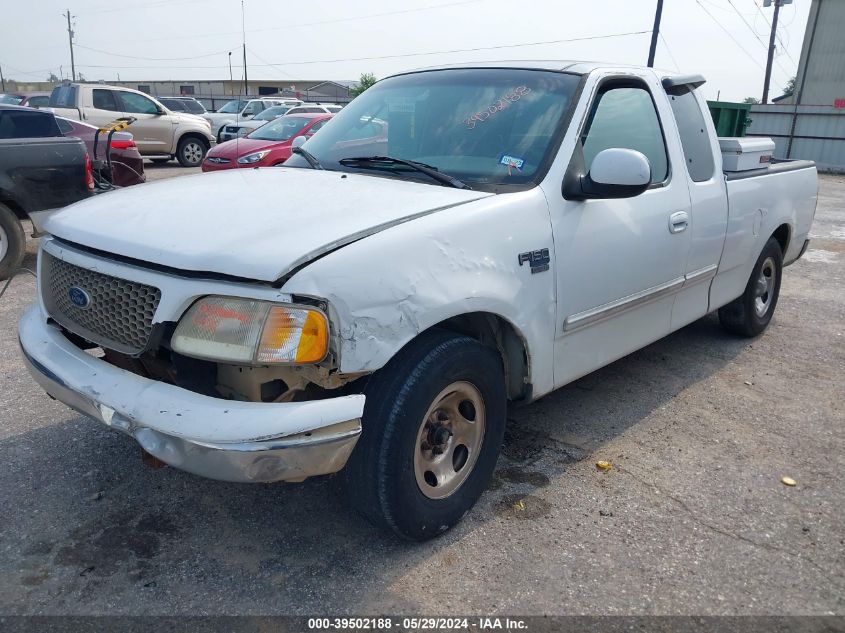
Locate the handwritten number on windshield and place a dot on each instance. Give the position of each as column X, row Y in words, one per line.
column 504, row 102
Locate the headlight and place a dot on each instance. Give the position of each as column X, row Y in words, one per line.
column 252, row 332
column 253, row 158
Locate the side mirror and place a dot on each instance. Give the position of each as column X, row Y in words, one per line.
column 298, row 141
column 615, row 173
column 160, row 111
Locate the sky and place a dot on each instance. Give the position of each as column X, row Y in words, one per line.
column 143, row 40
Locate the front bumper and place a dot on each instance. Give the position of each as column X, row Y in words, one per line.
column 215, row 438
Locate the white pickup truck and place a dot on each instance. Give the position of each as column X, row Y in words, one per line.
column 372, row 306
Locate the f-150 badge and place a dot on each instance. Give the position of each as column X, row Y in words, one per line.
column 538, row 260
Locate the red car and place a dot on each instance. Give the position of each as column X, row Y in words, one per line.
column 268, row 145
column 127, row 163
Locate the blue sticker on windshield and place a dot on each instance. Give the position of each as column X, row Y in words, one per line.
column 511, row 162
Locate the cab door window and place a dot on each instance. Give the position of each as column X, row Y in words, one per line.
column 625, row 117
column 137, row 104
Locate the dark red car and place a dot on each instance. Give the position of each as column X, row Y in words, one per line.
column 127, row 163
column 268, row 145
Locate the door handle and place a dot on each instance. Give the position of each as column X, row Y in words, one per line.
column 678, row 221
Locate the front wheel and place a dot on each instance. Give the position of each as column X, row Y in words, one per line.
column 12, row 242
column 190, row 151
column 432, row 428
column 750, row 313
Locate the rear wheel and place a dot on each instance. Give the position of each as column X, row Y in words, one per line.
column 432, row 428
column 190, row 151
column 749, row 314
column 12, row 242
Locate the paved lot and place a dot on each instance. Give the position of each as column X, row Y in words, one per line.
column 692, row 518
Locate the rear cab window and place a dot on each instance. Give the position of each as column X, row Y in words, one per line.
column 27, row 124
column 695, row 141
column 63, row 97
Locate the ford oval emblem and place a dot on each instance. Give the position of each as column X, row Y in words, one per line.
column 79, row 297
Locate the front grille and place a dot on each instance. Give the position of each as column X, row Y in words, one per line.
column 118, row 314
column 218, row 160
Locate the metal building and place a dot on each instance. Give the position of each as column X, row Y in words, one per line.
column 810, row 122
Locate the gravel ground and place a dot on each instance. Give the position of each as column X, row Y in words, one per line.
column 692, row 519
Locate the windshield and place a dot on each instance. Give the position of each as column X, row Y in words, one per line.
column 232, row 107
column 10, row 99
column 487, row 127
column 281, row 129
column 271, row 113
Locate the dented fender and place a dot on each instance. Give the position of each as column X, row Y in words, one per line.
column 384, row 290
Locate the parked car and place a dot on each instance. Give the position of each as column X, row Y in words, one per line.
column 372, row 310
column 268, row 145
column 30, row 99
column 239, row 110
column 127, row 164
column 184, row 104
column 159, row 133
column 242, row 128
column 39, row 171
column 313, row 108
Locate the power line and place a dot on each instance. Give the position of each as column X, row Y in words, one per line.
column 769, row 24
column 321, row 22
column 403, row 55
column 668, row 50
column 728, row 33
column 154, row 59
column 755, row 34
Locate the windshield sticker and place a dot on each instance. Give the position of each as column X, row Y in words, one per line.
column 504, row 102
column 511, row 162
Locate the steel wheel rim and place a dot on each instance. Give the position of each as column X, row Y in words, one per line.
column 4, row 243
column 192, row 152
column 449, row 440
column 765, row 287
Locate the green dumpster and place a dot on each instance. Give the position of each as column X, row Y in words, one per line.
column 730, row 119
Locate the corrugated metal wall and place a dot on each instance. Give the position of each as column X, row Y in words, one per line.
column 817, row 132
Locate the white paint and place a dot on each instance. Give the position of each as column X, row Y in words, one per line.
column 416, row 254
column 620, row 166
column 252, row 223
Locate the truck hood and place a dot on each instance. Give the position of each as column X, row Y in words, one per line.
column 253, row 223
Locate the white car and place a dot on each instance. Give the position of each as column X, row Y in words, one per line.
column 237, row 111
column 373, row 314
column 242, row 128
column 316, row 108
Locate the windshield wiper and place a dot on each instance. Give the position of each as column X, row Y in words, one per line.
column 312, row 160
column 375, row 162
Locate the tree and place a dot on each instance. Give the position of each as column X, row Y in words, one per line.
column 751, row 100
column 790, row 87
column 53, row 79
column 366, row 80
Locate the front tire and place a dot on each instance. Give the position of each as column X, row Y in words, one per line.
column 12, row 242
column 432, row 428
column 190, row 151
column 750, row 314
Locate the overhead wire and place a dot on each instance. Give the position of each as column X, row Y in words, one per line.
column 401, row 55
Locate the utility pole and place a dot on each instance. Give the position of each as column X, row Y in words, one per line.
column 2, row 81
column 231, row 81
column 70, row 40
column 771, row 56
column 655, row 31
column 243, row 32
